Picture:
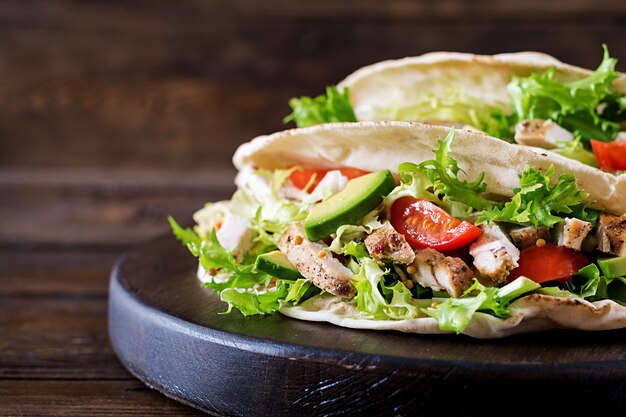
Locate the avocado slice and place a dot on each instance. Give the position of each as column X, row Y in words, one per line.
column 361, row 195
column 276, row 264
column 613, row 267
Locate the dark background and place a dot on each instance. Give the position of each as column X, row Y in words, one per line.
column 114, row 114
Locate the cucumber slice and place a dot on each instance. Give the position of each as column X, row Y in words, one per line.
column 361, row 195
column 277, row 265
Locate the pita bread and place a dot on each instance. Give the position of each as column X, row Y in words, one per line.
column 374, row 146
column 384, row 145
column 402, row 82
column 533, row 313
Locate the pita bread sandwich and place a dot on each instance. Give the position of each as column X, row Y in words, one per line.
column 527, row 98
column 419, row 228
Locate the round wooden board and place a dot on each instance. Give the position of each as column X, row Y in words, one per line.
column 168, row 331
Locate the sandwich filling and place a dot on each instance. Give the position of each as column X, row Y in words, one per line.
column 425, row 242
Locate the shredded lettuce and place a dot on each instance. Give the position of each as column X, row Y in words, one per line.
column 538, row 203
column 334, row 106
column 452, row 104
column 373, row 303
column 347, row 238
column 572, row 105
column 270, row 213
column 455, row 314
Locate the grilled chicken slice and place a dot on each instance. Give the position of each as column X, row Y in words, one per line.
column 386, row 245
column 612, row 234
column 525, row 237
column 315, row 262
column 424, row 263
column 439, row 272
column 572, row 232
column 454, row 275
column 542, row 133
column 494, row 254
column 235, row 234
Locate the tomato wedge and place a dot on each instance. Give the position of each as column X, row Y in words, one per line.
column 611, row 156
column 425, row 225
column 300, row 177
column 548, row 263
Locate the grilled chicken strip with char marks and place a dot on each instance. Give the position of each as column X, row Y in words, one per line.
column 525, row 237
column 439, row 272
column 386, row 245
column 571, row 232
column 612, row 234
column 315, row 262
column 494, row 254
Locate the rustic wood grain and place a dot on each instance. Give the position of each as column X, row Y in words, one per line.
column 101, row 207
column 170, row 332
column 163, row 84
column 81, row 398
column 55, row 358
column 115, row 114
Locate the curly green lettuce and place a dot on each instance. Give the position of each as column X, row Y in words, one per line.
column 538, row 203
column 455, row 314
column 443, row 172
column 588, row 107
column 334, row 106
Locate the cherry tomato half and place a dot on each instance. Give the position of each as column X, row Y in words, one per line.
column 425, row 225
column 610, row 155
column 548, row 263
column 300, row 177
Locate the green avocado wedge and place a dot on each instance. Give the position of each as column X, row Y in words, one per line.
column 361, row 195
column 276, row 264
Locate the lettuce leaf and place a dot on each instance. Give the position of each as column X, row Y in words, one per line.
column 538, row 203
column 455, row 314
column 576, row 150
column 187, row 236
column 373, row 303
column 572, row 105
column 443, row 172
column 253, row 302
column 213, row 256
column 334, row 106
column 449, row 105
column 347, row 240
column 590, row 285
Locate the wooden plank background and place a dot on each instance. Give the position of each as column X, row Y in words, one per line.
column 114, row 114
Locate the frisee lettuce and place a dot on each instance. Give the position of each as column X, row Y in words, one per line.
column 536, row 202
column 252, row 302
column 213, row 256
column 572, row 105
column 334, row 106
column 373, row 303
column 455, row 314
column 443, row 172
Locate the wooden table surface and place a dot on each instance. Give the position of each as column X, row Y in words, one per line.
column 115, row 114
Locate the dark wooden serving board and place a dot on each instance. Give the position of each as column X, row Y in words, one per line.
column 168, row 331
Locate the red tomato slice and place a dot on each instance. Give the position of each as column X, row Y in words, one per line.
column 425, row 225
column 300, row 177
column 549, row 263
column 610, row 155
